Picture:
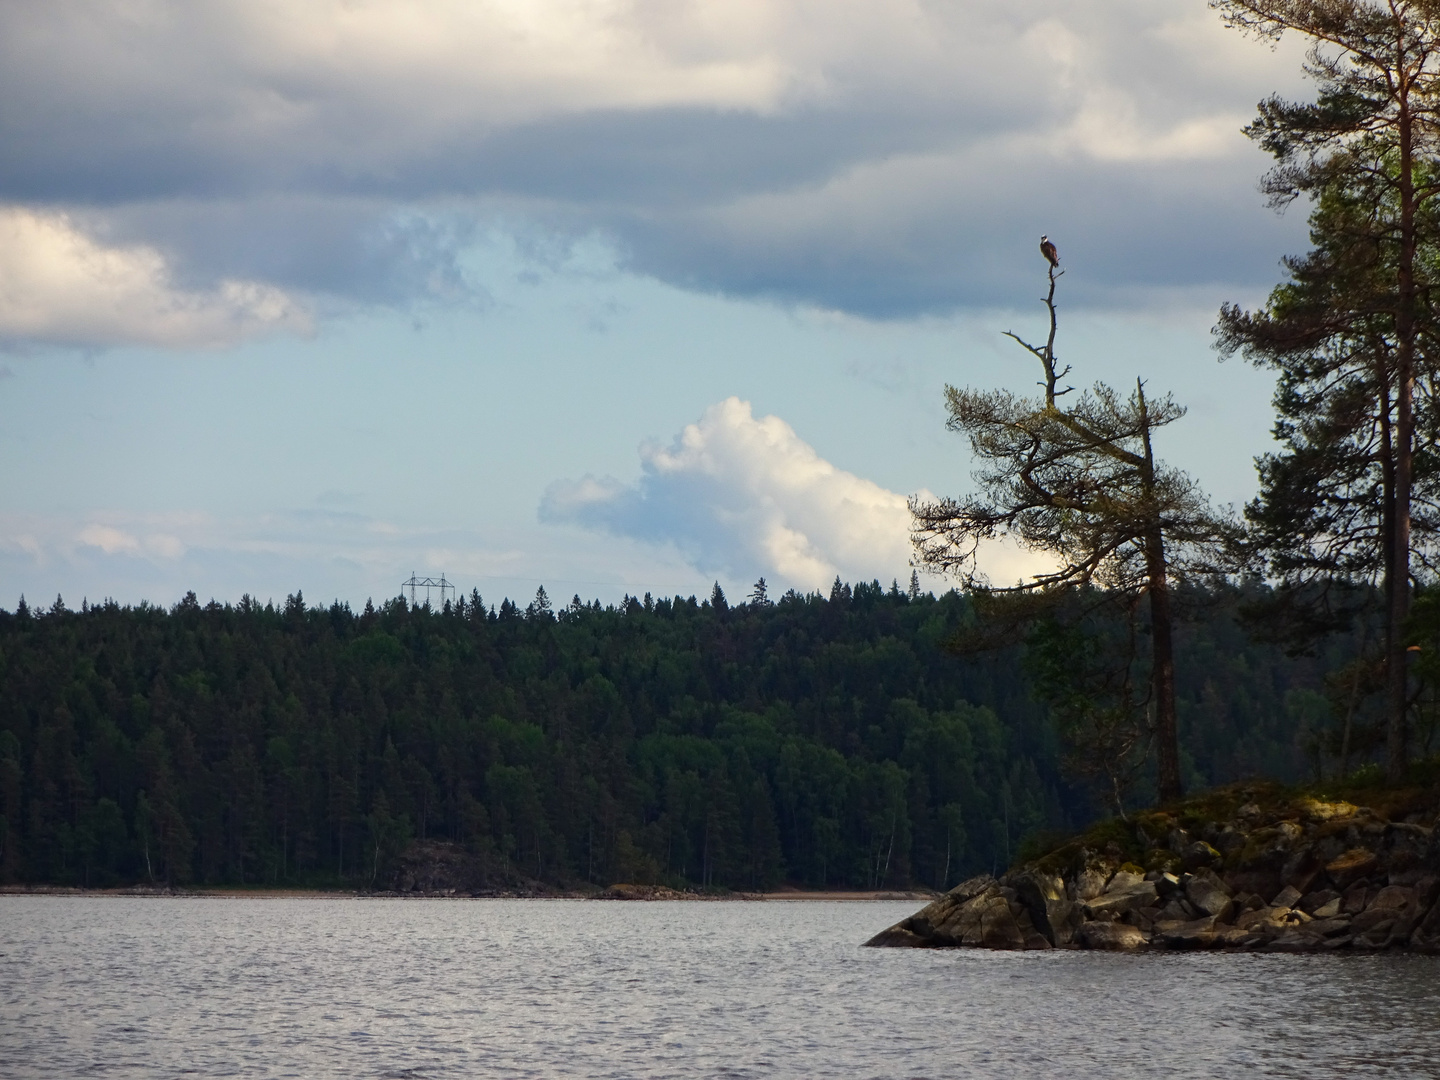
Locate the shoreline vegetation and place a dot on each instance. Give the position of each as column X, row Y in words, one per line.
column 1351, row 865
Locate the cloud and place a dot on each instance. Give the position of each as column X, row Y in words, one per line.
column 114, row 541
column 746, row 496
column 885, row 157
column 109, row 539
column 59, row 285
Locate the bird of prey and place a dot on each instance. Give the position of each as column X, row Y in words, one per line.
column 1048, row 250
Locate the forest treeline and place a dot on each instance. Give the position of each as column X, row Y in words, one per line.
column 824, row 740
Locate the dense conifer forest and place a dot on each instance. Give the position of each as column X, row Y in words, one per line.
column 822, row 740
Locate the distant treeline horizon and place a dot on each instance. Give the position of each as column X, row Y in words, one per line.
column 828, row 741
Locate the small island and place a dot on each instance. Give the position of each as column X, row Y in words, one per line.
column 1248, row 867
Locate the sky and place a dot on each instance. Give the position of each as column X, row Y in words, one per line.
column 610, row 296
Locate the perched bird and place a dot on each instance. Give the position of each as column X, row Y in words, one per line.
column 1048, row 250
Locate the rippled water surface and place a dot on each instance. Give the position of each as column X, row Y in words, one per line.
column 101, row 986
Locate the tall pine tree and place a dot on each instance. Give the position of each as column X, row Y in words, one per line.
column 1352, row 334
column 1078, row 481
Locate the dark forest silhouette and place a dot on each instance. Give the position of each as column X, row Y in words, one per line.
column 829, row 741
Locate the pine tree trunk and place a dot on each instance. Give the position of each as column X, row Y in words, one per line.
column 1399, row 599
column 1396, row 658
column 1162, row 664
column 1162, row 670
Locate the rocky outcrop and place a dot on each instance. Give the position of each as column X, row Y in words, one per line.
column 627, row 891
column 440, row 868
column 1301, row 876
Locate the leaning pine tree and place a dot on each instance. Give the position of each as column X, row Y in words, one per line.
column 1077, row 480
column 1350, row 496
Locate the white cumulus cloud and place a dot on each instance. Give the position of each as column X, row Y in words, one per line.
column 59, row 285
column 747, row 496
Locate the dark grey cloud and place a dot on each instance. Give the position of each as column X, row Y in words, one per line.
column 899, row 159
column 1121, row 233
column 365, row 250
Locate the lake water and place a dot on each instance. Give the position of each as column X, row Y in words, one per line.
column 142, row 987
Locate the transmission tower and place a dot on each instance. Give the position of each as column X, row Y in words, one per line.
column 427, row 584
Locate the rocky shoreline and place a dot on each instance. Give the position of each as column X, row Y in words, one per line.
column 1296, row 875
